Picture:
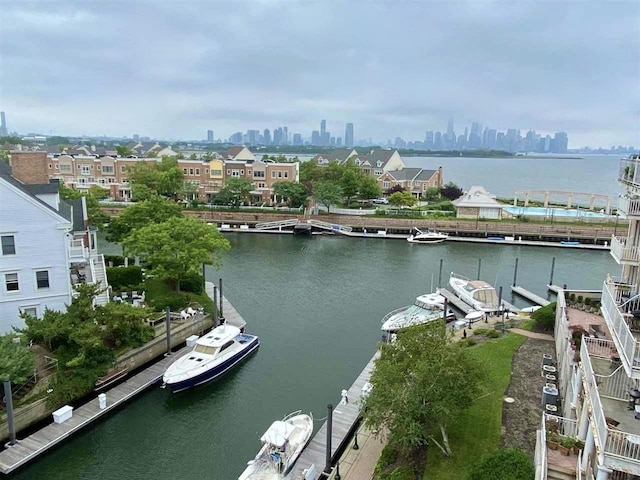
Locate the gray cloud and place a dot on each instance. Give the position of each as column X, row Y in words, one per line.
column 394, row 68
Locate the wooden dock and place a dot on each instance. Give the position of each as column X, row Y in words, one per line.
column 46, row 438
column 554, row 288
column 313, row 457
column 532, row 297
column 231, row 315
column 456, row 302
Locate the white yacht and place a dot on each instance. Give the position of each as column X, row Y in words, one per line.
column 480, row 295
column 427, row 237
column 282, row 444
column 213, row 354
column 426, row 308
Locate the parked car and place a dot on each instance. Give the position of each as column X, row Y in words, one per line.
column 380, row 201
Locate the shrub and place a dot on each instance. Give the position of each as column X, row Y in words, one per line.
column 506, row 464
column 493, row 334
column 587, row 301
column 572, row 297
column 174, row 300
column 481, row 331
column 192, row 282
column 123, row 277
column 402, row 473
column 545, row 317
column 17, row 362
column 388, row 457
column 467, row 342
column 580, row 299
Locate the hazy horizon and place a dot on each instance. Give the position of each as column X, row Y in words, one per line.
column 394, row 69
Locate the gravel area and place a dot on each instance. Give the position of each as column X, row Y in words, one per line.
column 521, row 419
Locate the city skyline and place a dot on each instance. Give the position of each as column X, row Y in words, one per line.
column 397, row 84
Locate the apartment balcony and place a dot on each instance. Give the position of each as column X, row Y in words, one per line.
column 618, row 303
column 629, row 174
column 77, row 251
column 623, row 252
column 606, row 386
column 629, row 207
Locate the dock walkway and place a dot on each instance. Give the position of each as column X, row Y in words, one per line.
column 231, row 315
column 456, row 302
column 345, row 417
column 44, row 439
column 532, row 297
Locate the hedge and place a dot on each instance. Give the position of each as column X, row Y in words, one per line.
column 192, row 282
column 123, row 277
column 506, row 464
column 116, row 260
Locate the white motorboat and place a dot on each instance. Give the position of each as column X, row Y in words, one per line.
column 213, row 354
column 427, row 237
column 476, row 293
column 282, row 444
column 426, row 308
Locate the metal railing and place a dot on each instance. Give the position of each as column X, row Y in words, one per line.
column 77, row 249
column 613, row 296
column 392, row 313
column 617, row 384
column 541, row 453
column 330, row 226
column 567, row 427
column 629, row 173
column 276, row 224
column 622, row 251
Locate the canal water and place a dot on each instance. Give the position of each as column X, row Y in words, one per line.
column 316, row 304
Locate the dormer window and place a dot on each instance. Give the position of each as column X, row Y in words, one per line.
column 379, row 164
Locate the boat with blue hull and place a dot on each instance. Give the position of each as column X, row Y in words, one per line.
column 213, row 354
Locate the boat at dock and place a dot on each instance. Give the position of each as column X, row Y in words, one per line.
column 427, row 237
column 282, row 444
column 426, row 308
column 476, row 293
column 213, row 354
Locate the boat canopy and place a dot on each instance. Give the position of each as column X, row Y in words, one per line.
column 487, row 296
column 477, row 284
column 219, row 336
column 278, row 434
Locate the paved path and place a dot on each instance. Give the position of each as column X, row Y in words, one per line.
column 527, row 333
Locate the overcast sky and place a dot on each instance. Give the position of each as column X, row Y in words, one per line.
column 394, row 68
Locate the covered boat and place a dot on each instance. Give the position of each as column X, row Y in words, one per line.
column 476, row 293
column 426, row 308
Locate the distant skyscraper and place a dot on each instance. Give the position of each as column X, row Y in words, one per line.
column 315, row 137
column 4, row 131
column 252, row 137
column 428, row 140
column 266, row 136
column 339, row 141
column 450, row 131
column 560, row 142
column 285, row 135
column 323, row 129
column 297, row 139
column 348, row 135
column 236, row 138
column 210, row 136
column 437, row 141
column 136, row 137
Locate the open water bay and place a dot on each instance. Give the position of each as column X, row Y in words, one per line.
column 316, row 304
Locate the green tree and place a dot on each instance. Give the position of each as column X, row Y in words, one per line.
column 420, row 383
column 177, row 247
column 124, row 325
column 164, row 178
column 505, row 464
column 369, row 188
column 349, row 182
column 402, row 199
column 153, row 210
column 294, row 193
column 310, row 172
column 123, row 150
column 431, row 194
column 193, row 157
column 17, row 362
column 327, row 193
column 179, row 156
column 4, row 156
column 93, row 195
column 234, row 192
column 545, row 317
column 451, row 191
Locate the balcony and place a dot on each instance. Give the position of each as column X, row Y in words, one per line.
column 629, row 207
column 629, row 173
column 77, row 251
column 623, row 252
column 617, row 301
column 606, row 391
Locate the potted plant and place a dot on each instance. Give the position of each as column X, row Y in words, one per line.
column 553, row 441
column 565, row 446
column 578, row 445
column 580, row 300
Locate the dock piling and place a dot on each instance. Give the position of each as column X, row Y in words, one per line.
column 9, row 404
column 440, row 275
column 167, row 322
column 515, row 273
column 553, row 265
column 479, row 268
column 220, row 292
column 215, row 307
column 327, row 463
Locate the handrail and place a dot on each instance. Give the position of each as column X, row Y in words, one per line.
column 394, row 312
column 541, row 453
column 626, row 344
column 276, row 223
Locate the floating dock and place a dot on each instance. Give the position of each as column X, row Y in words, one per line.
column 345, row 417
column 29, row 448
column 231, row 315
column 532, row 297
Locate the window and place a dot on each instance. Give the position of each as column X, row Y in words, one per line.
column 124, row 180
column 191, row 171
column 217, row 173
column 57, row 166
column 107, row 168
column 81, row 180
column 386, row 184
column 279, row 173
column 99, row 166
column 111, row 180
column 206, row 171
column 42, row 279
column 261, row 185
column 197, row 171
column 85, row 170
column 123, row 169
column 11, row 282
column 241, row 172
column 8, row 245
column 273, row 174
column 286, row 174
column 31, row 311
column 101, row 181
column 50, row 166
column 65, row 168
column 258, row 174
column 184, row 170
column 228, row 171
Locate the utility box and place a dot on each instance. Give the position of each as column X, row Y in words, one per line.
column 102, row 401
column 549, row 396
column 63, row 414
column 191, row 341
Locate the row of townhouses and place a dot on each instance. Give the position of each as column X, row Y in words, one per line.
column 46, row 247
column 599, row 364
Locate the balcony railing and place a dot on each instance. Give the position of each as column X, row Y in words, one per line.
column 622, row 251
column 615, row 298
column 629, row 206
column 629, row 172
column 611, row 442
column 77, row 250
column 617, row 384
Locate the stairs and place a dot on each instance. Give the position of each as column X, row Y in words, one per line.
column 555, row 472
column 100, row 278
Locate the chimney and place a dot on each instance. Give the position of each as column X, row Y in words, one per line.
column 29, row 168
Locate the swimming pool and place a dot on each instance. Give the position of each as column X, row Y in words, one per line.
column 554, row 212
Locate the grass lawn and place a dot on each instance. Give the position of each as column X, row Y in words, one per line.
column 477, row 431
